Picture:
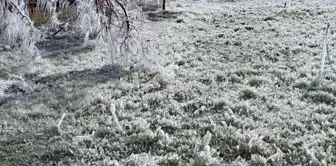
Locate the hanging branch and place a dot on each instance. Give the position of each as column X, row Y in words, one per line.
column 23, row 15
column 126, row 15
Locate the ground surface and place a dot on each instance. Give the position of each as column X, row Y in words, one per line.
column 236, row 90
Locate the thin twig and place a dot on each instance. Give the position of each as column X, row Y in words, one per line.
column 114, row 116
column 325, row 47
column 58, row 31
column 330, row 62
column 63, row 27
column 60, row 122
column 324, row 55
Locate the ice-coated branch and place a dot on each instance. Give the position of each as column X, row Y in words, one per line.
column 23, row 15
column 60, row 122
column 324, row 55
column 115, row 118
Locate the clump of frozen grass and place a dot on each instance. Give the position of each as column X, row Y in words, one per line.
column 258, row 160
column 242, row 108
column 234, row 78
column 205, row 156
column 324, row 109
column 171, row 159
column 277, row 158
column 257, row 81
column 302, row 84
column 141, row 159
column 164, row 137
column 321, row 97
column 141, row 125
column 220, row 104
column 239, row 162
column 248, row 93
column 227, row 147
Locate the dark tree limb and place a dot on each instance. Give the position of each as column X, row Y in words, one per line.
column 126, row 15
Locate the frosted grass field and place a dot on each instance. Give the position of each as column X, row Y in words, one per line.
column 233, row 88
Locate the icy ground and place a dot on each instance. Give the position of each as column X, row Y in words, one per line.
column 236, row 91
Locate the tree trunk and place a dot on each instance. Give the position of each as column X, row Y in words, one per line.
column 163, row 4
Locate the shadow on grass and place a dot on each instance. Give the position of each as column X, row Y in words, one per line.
column 60, row 92
column 87, row 76
column 65, row 89
column 29, row 148
column 161, row 15
column 64, row 44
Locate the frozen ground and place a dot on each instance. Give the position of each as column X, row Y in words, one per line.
column 236, row 91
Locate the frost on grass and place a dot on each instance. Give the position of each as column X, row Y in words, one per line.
column 321, row 97
column 218, row 104
column 151, row 5
column 248, row 93
column 257, row 81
